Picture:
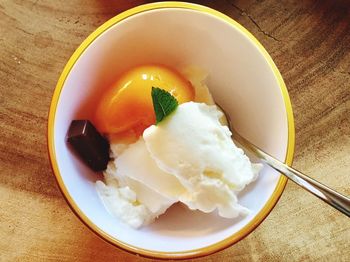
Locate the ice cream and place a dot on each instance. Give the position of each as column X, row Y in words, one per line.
column 193, row 146
column 190, row 158
column 134, row 181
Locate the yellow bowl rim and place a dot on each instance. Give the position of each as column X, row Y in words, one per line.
column 152, row 253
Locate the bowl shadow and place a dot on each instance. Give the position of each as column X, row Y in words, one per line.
column 180, row 221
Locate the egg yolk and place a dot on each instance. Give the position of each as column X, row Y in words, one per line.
column 126, row 107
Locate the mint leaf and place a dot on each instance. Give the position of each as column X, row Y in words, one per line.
column 163, row 103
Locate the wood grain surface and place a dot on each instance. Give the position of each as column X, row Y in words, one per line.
column 308, row 40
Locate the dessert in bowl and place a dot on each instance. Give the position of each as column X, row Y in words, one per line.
column 241, row 77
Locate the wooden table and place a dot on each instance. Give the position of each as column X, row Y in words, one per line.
column 308, row 40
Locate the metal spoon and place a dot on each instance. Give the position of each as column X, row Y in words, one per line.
column 328, row 195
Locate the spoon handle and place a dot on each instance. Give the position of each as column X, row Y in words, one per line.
column 328, row 195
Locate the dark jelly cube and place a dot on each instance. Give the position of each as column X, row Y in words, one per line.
column 89, row 144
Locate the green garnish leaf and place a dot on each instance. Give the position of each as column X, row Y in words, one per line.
column 163, row 103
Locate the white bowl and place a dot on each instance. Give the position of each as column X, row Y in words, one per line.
column 242, row 78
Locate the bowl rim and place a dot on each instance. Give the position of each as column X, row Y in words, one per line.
column 51, row 143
